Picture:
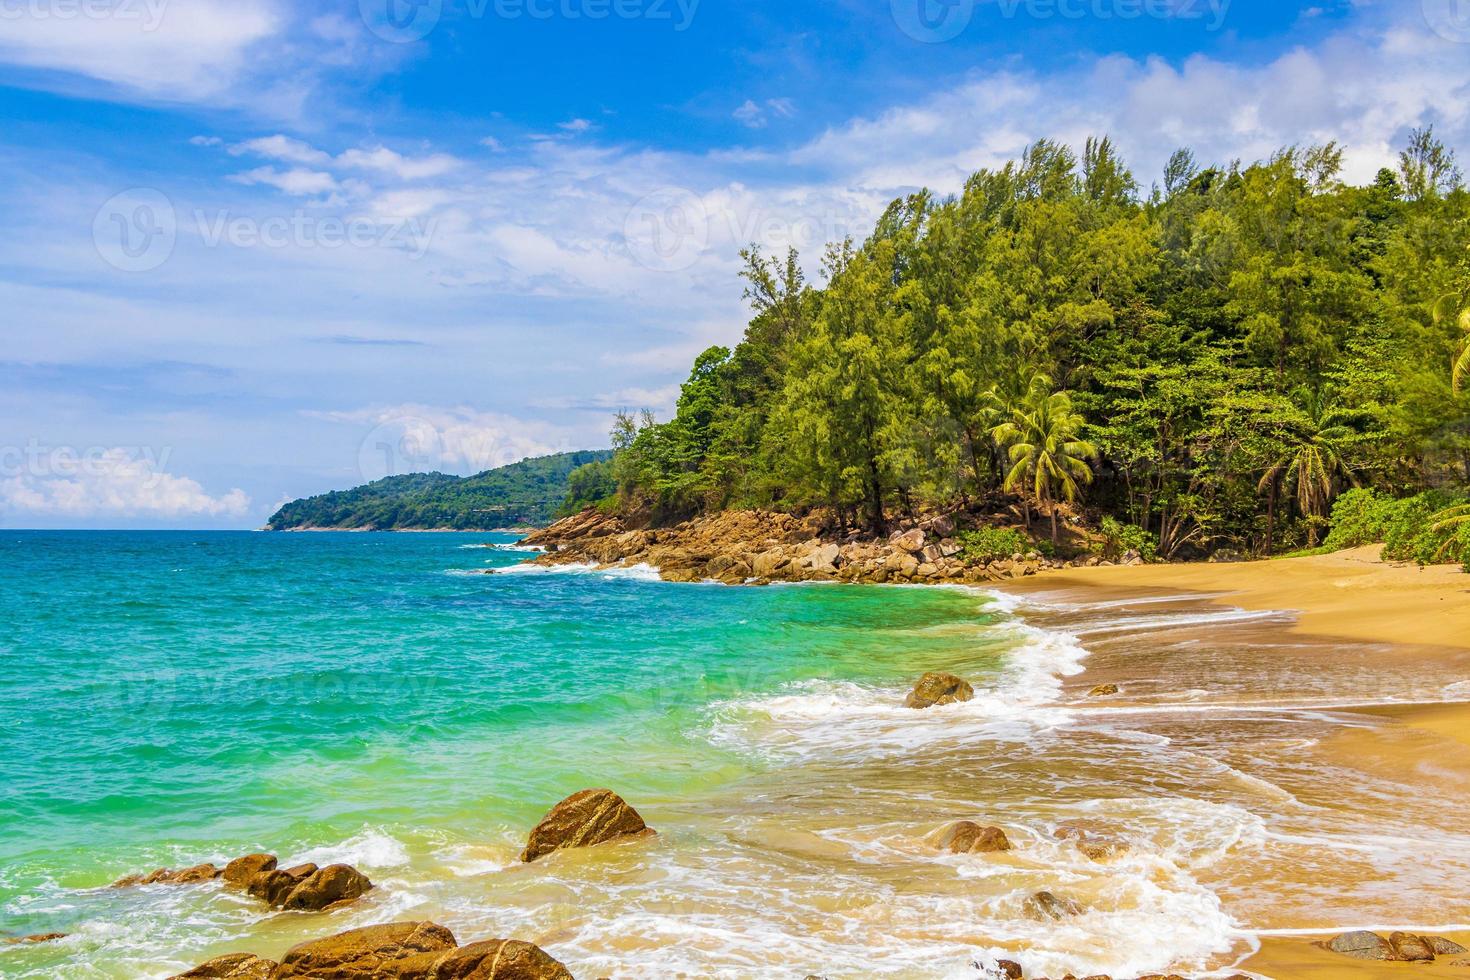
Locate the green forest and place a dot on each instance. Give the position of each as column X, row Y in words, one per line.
column 525, row 493
column 1209, row 365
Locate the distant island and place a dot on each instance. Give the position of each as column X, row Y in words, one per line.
column 530, row 492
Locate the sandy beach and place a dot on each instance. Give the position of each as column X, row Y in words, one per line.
column 1418, row 619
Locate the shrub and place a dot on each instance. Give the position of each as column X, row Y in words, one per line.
column 990, row 544
column 1359, row 518
column 1416, row 529
column 1120, row 538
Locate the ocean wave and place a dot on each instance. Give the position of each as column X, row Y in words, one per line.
column 372, row 849
column 638, row 573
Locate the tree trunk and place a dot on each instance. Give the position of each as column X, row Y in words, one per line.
column 1271, row 520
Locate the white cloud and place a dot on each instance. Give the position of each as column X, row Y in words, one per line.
column 412, row 438
column 282, row 148
column 577, row 125
column 179, row 52
column 117, row 482
column 297, row 181
column 757, row 115
column 387, row 161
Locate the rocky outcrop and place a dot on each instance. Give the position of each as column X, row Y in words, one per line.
column 400, row 951
column 734, row 547
column 967, row 837
column 936, row 689
column 304, row 888
column 1401, row 947
column 235, row 966
column 593, row 816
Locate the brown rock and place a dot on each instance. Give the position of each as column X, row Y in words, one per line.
column 1104, row 691
column 272, row 887
column 967, row 837
column 910, row 541
column 370, row 953
column 593, row 816
column 1444, row 947
column 241, row 870
column 45, row 937
column 235, row 966
column 500, row 959
column 1360, row 946
column 327, row 886
column 1095, row 838
column 1009, row 970
column 198, row 873
column 939, row 689
column 302, row 871
column 1410, row 948
column 1044, row 905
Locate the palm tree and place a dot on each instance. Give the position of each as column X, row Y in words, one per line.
column 1048, row 458
column 1453, row 306
column 1454, row 517
column 1311, row 463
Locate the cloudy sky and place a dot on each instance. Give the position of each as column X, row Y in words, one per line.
column 258, row 249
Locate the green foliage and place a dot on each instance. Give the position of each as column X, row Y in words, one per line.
column 528, row 492
column 1430, row 528
column 1361, row 517
column 1214, row 365
column 1118, row 539
column 990, row 544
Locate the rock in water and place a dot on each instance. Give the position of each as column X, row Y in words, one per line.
column 593, row 816
column 500, row 959
column 1360, row 946
column 45, row 937
column 272, row 887
column 235, row 966
column 369, row 953
column 939, row 689
column 328, row 886
column 241, row 870
column 1104, row 691
column 1044, row 905
column 967, row 837
column 1095, row 838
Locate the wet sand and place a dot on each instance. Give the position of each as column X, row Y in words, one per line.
column 1405, row 632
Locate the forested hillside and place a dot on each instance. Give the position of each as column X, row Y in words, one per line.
column 1212, row 361
column 528, row 492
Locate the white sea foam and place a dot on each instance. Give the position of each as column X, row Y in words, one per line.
column 370, row 849
column 638, row 573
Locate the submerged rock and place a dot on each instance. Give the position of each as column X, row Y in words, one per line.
column 500, row 959
column 967, row 837
column 235, row 966
column 593, row 816
column 45, row 937
column 165, row 876
column 1104, row 691
column 1095, row 838
column 937, row 689
column 1044, row 906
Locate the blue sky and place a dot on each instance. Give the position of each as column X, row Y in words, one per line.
column 259, row 249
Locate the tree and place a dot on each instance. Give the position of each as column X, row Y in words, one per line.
column 1316, row 454
column 1449, row 308
column 1427, row 167
column 1048, row 458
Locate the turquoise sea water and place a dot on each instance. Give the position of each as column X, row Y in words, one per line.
column 167, row 698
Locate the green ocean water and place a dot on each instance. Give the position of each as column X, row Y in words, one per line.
column 168, row 698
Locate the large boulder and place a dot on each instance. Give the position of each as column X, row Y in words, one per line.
column 239, row 871
column 936, row 689
column 767, row 564
column 910, row 541
column 1361, row 945
column 370, row 953
column 967, row 837
column 500, row 959
column 1410, row 948
column 593, row 816
column 327, row 886
column 235, row 966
